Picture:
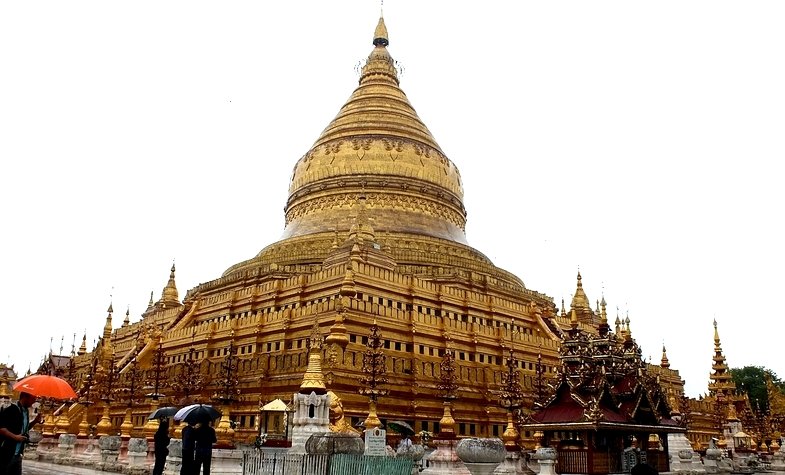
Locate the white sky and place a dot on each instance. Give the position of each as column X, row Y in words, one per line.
column 637, row 140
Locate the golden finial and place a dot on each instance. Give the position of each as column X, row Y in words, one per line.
column 127, row 320
column 83, row 348
column 627, row 331
column 170, row 294
column 716, row 334
column 573, row 319
column 664, row 361
column 603, row 313
column 108, row 324
column 380, row 37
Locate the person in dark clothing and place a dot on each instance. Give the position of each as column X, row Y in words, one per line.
column 205, row 438
column 189, row 444
column 161, row 444
column 14, row 426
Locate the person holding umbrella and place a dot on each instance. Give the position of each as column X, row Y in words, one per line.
column 189, row 445
column 205, row 438
column 14, row 426
column 161, row 444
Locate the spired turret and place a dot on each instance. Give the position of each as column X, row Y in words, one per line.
column 169, row 296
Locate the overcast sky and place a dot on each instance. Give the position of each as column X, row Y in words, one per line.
column 639, row 141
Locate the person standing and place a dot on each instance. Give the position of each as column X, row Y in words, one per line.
column 161, row 444
column 205, row 438
column 189, row 440
column 14, row 425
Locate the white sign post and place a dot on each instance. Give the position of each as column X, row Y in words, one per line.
column 376, row 442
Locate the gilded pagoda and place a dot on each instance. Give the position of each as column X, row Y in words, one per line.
column 375, row 232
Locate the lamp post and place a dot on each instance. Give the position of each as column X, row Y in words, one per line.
column 227, row 393
column 132, row 382
column 106, row 376
column 511, row 399
column 374, row 375
column 448, row 387
column 156, row 379
column 189, row 379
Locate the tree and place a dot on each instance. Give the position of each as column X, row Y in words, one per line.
column 751, row 380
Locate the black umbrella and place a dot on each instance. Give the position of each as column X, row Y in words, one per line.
column 163, row 412
column 197, row 413
column 401, row 427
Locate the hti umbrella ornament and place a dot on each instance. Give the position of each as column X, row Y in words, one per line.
column 44, row 385
column 197, row 413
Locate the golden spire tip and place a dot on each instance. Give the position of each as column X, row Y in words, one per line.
column 380, row 37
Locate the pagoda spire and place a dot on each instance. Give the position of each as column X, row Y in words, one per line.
column 664, row 361
column 83, row 348
column 108, row 325
column 380, row 36
column 313, row 380
column 721, row 380
column 603, row 327
column 169, row 296
column 580, row 302
column 127, row 320
column 380, row 65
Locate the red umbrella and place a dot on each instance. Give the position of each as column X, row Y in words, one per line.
column 43, row 385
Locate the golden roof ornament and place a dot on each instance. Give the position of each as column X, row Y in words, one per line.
column 580, row 301
column 169, row 295
column 127, row 319
column 83, row 347
column 732, row 416
column 603, row 313
column 380, row 37
column 664, row 361
column 313, row 380
column 108, row 325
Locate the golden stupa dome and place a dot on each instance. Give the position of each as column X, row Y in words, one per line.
column 376, row 178
column 377, row 148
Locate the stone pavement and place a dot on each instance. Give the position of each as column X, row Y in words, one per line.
column 34, row 467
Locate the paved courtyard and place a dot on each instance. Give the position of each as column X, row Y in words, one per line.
column 32, row 467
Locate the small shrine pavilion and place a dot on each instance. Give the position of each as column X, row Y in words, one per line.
column 605, row 413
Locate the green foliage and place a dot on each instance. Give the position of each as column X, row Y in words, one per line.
column 752, row 381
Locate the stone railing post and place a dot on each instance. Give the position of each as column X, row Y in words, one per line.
column 174, row 460
column 65, row 448
column 546, row 457
column 110, row 450
column 685, row 461
column 137, row 456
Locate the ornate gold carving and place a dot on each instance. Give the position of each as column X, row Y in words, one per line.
column 380, row 202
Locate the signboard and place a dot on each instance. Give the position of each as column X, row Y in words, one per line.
column 376, row 442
